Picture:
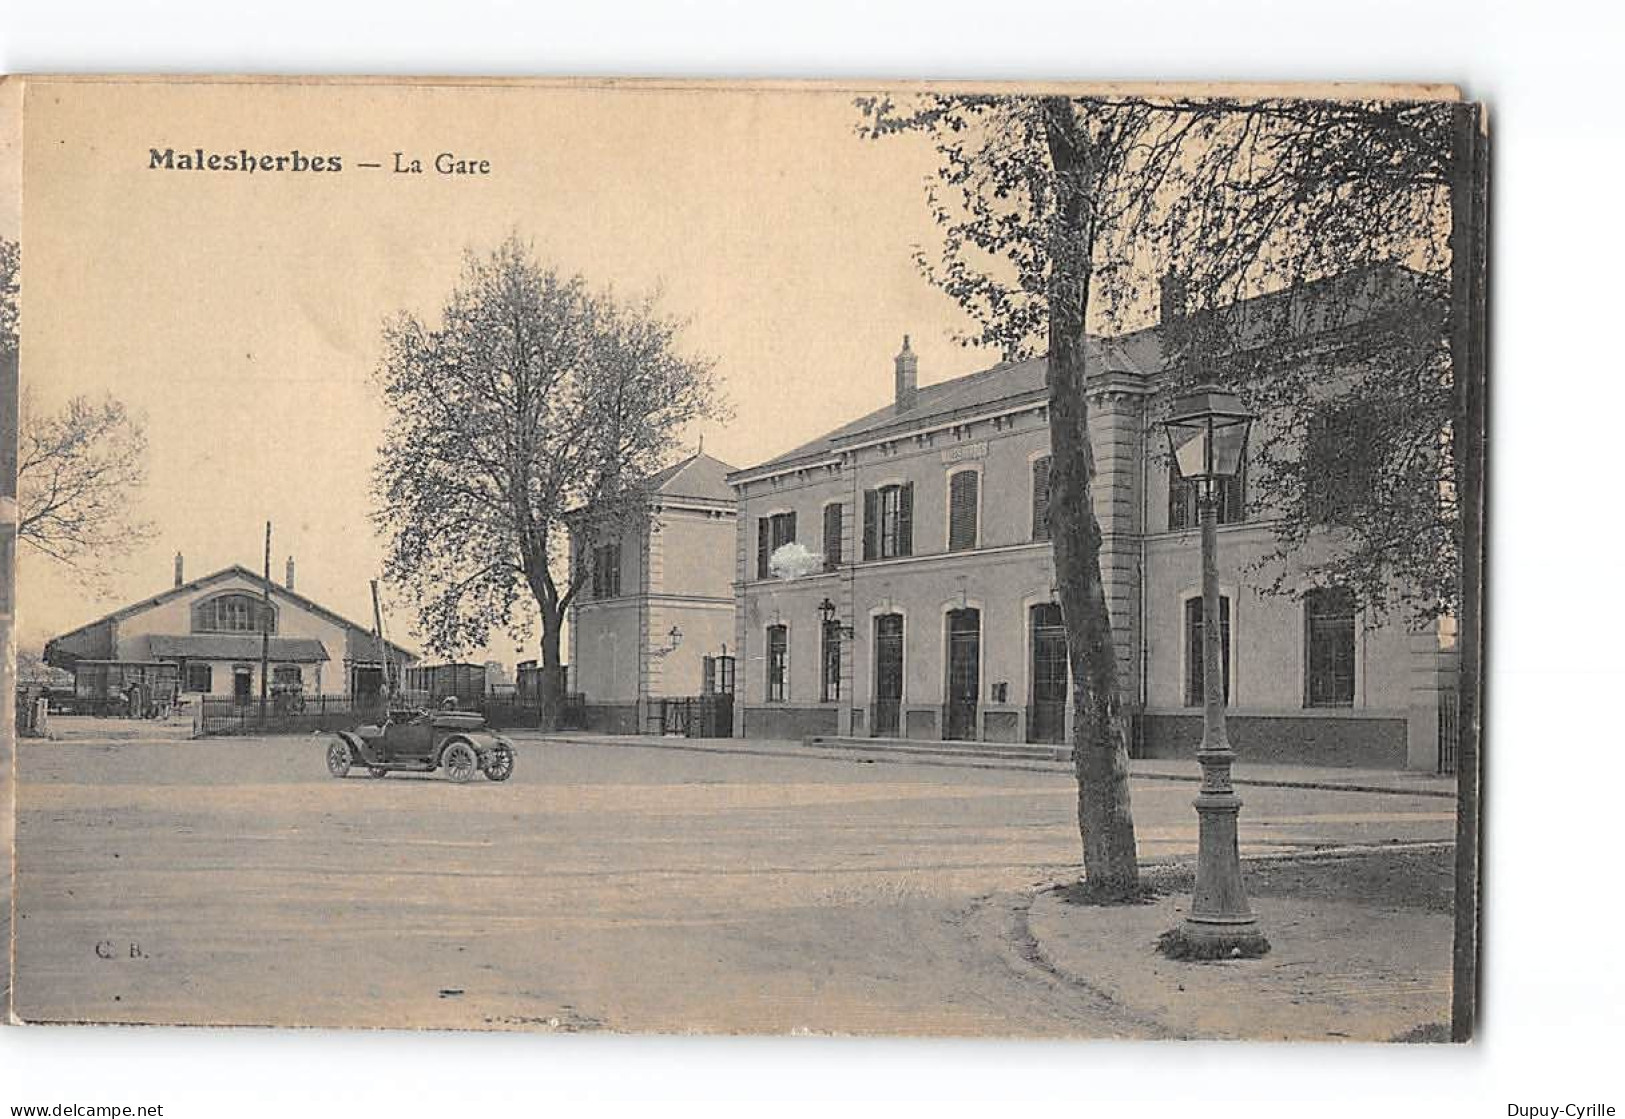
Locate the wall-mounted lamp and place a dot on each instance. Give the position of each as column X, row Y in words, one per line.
column 674, row 638
column 826, row 612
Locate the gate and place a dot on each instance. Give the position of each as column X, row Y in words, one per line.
column 702, row 716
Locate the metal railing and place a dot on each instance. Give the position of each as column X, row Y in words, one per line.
column 1449, row 729
column 701, row 716
column 284, row 714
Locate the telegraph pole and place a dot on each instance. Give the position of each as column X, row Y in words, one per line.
column 265, row 627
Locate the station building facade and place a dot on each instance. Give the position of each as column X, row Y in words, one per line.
column 655, row 618
column 933, row 615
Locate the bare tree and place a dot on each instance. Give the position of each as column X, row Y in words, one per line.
column 77, row 474
column 534, row 407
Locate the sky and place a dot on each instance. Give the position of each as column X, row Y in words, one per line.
column 240, row 314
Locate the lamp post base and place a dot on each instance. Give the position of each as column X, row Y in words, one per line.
column 1221, row 925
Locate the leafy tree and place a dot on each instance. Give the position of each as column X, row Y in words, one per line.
column 534, row 408
column 1058, row 214
column 1344, row 210
column 1027, row 199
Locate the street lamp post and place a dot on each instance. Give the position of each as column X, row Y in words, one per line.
column 1207, row 438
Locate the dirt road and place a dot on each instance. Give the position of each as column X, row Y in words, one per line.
column 604, row 887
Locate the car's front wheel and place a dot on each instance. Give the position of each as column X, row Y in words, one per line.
column 338, row 757
column 460, row 762
column 500, row 765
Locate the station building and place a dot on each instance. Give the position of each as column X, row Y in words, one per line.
column 932, row 613
column 203, row 638
column 654, row 622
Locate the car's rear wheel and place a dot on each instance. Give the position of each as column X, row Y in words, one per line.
column 500, row 766
column 338, row 757
column 460, row 762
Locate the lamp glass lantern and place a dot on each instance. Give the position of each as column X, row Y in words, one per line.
column 1207, row 435
column 826, row 614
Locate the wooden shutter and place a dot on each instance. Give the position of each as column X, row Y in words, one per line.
column 905, row 520
column 871, row 524
column 832, row 536
column 764, row 544
column 962, row 510
column 1041, row 498
column 789, row 531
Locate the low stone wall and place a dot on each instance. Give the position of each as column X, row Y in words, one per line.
column 611, row 718
column 1353, row 742
column 791, row 722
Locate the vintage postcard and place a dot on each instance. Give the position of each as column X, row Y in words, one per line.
column 983, row 560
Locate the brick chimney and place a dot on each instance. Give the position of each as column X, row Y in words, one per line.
column 908, row 377
column 180, row 569
column 288, row 582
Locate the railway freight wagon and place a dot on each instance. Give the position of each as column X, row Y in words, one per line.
column 432, row 683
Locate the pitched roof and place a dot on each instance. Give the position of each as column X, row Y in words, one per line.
column 230, row 647
column 1138, row 353
column 238, row 571
column 1360, row 293
column 698, row 476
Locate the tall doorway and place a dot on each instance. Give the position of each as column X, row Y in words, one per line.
column 964, row 672
column 888, row 646
column 1046, row 717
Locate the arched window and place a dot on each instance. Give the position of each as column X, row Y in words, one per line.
column 232, row 613
column 778, row 664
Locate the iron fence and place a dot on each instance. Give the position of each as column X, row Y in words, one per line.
column 701, row 716
column 297, row 714
column 1449, row 729
column 285, row 714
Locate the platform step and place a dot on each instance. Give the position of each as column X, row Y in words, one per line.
column 999, row 751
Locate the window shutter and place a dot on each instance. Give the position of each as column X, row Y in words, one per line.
column 764, row 544
column 1041, row 498
column 871, row 523
column 905, row 520
column 789, row 530
column 962, row 510
column 832, row 536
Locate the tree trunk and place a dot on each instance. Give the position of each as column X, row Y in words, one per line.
column 550, row 686
column 1099, row 749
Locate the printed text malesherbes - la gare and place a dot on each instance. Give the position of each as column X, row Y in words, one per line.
column 197, row 159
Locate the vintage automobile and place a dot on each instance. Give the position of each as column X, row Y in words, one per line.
column 421, row 742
